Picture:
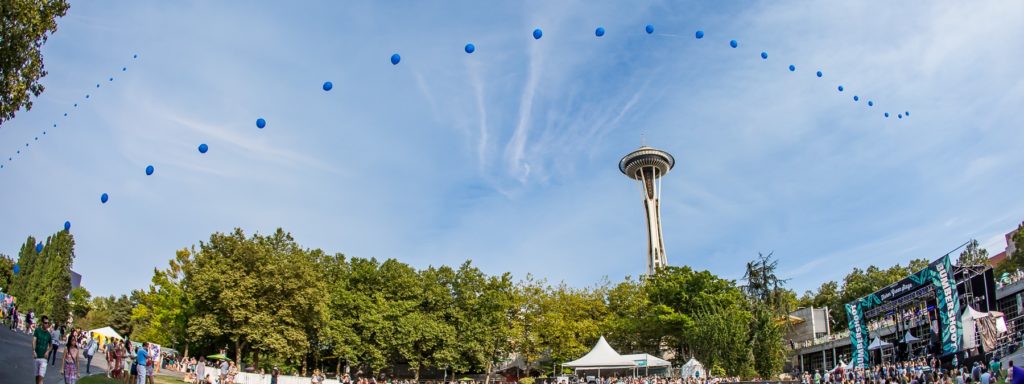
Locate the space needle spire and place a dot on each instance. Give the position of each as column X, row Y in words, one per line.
column 647, row 165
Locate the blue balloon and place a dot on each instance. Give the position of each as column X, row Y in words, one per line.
column 37, row 138
column 700, row 34
column 395, row 59
column 649, row 28
column 55, row 125
column 67, row 225
column 65, row 114
column 599, row 31
column 124, row 69
column 840, row 88
column 733, row 43
column 260, row 123
column 871, row 103
column 149, row 170
column 328, row 85
column 886, row 114
column 819, row 73
column 26, row 144
column 203, row 148
column 97, row 85
column 900, row 115
column 111, row 79
column 75, row 105
column 537, row 33
column 792, row 67
column 86, row 96
column 39, row 247
column 856, row 98
column 44, row 132
column 907, row 113
column 764, row 55
column 135, row 56
column 17, row 269
column 104, row 198
column 470, row 48
column 19, row 152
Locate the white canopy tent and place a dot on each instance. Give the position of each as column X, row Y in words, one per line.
column 878, row 344
column 692, row 368
column 602, row 356
column 908, row 338
column 107, row 332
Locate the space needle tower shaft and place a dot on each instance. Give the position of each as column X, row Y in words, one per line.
column 648, row 165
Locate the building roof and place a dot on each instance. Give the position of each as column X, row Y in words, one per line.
column 994, row 261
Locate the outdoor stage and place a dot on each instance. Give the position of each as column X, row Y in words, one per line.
column 917, row 316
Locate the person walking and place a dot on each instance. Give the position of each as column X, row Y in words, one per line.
column 71, row 359
column 41, row 345
column 55, row 335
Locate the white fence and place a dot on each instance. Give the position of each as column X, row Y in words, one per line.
column 256, row 378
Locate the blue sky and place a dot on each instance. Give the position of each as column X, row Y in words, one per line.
column 509, row 156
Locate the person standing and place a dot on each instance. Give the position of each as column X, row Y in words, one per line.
column 223, row 371
column 90, row 350
column 273, row 375
column 41, row 344
column 71, row 359
column 201, row 370
column 141, row 359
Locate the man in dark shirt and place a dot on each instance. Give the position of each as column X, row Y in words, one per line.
column 41, row 344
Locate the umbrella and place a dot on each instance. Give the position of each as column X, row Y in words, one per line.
column 466, row 379
column 219, row 356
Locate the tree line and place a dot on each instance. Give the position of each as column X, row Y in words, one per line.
column 270, row 302
column 43, row 279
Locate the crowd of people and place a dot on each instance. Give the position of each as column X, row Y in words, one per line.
column 918, row 371
column 128, row 362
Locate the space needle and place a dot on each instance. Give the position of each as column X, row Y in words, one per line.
column 647, row 165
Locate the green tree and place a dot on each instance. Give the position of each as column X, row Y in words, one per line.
column 973, row 255
column 6, row 273
column 261, row 294
column 26, row 26
column 163, row 310
column 702, row 315
column 80, row 302
column 1014, row 262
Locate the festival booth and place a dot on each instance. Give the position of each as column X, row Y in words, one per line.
column 692, row 368
column 650, row 364
column 105, row 335
column 602, row 358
